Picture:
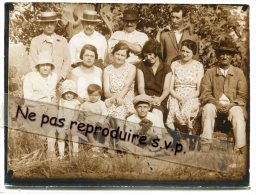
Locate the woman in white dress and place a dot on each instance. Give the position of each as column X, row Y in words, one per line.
column 86, row 73
column 39, row 88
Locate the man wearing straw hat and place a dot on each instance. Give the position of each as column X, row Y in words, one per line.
column 52, row 43
column 88, row 36
column 130, row 36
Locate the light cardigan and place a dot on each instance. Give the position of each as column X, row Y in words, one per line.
column 38, row 88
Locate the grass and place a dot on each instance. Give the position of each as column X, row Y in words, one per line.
column 27, row 158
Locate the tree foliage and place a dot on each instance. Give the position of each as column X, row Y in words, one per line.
column 211, row 23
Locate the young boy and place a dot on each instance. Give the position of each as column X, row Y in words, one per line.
column 94, row 110
column 68, row 105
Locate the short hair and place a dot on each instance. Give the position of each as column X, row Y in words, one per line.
column 121, row 46
column 152, row 46
column 90, row 48
column 190, row 44
column 94, row 88
column 178, row 8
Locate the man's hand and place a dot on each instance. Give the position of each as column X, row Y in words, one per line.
column 222, row 108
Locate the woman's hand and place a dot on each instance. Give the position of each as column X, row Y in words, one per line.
column 118, row 101
column 156, row 100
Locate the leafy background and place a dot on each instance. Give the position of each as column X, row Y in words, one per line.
column 211, row 23
column 27, row 153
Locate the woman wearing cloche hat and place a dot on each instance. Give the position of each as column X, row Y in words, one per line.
column 39, row 88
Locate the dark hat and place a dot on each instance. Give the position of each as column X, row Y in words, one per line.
column 130, row 15
column 90, row 16
column 48, row 17
column 226, row 46
column 142, row 98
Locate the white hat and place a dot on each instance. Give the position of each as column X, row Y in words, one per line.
column 142, row 98
column 90, row 16
column 44, row 58
column 48, row 17
column 68, row 85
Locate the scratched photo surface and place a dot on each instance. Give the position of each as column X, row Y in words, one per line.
column 127, row 92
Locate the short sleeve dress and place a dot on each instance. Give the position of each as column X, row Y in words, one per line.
column 117, row 79
column 185, row 84
column 83, row 79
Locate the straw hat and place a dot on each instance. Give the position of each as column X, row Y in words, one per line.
column 68, row 86
column 90, row 16
column 48, row 17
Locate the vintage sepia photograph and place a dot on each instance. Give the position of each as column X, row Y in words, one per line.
column 111, row 94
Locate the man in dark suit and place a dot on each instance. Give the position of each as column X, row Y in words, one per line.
column 170, row 40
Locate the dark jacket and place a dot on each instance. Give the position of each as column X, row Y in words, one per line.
column 171, row 49
column 234, row 86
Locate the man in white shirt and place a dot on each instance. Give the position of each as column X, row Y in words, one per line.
column 133, row 38
column 143, row 124
column 142, row 104
column 88, row 36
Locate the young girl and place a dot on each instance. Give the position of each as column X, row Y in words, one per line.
column 68, row 105
column 94, row 110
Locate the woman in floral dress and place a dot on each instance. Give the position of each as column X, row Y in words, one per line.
column 183, row 102
column 118, row 81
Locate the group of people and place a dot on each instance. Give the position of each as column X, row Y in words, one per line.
column 131, row 77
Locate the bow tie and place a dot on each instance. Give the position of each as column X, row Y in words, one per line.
column 49, row 39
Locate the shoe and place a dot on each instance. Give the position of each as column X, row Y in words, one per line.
column 205, row 147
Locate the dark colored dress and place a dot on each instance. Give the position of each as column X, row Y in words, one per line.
column 154, row 83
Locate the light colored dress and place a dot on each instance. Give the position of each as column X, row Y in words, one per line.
column 38, row 94
column 185, row 85
column 117, row 79
column 83, row 79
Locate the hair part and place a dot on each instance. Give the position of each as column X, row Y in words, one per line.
column 90, row 48
column 121, row 46
column 94, row 88
column 190, row 45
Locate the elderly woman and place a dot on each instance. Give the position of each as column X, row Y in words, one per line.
column 185, row 86
column 86, row 73
column 118, row 83
column 39, row 88
column 154, row 78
